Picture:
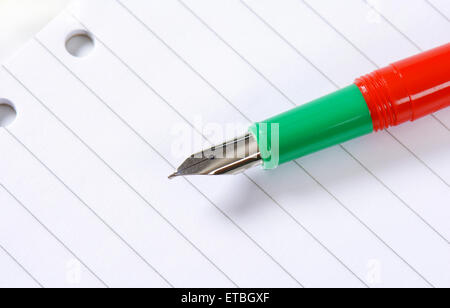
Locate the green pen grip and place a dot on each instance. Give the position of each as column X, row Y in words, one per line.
column 327, row 121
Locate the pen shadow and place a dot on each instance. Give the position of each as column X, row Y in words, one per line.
column 310, row 181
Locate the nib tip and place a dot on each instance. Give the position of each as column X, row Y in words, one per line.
column 172, row 176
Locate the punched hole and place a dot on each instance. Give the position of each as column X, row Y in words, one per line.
column 7, row 113
column 80, row 44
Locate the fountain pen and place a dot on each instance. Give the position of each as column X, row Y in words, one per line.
column 403, row 91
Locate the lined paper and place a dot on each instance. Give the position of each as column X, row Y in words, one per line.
column 83, row 182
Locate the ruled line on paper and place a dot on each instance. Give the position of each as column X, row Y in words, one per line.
column 263, row 21
column 399, row 198
column 308, row 232
column 179, row 57
column 312, row 9
column 85, row 204
column 226, row 43
column 420, row 159
column 21, row 204
column 437, row 10
column 367, row 227
column 440, row 121
column 20, row 265
column 392, row 24
column 246, row 234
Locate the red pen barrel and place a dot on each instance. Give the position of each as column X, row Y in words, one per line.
column 408, row 89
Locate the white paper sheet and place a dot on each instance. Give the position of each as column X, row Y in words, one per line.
column 84, row 195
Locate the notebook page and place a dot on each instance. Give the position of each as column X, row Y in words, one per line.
column 83, row 182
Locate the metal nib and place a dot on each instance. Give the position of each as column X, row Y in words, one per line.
column 231, row 157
